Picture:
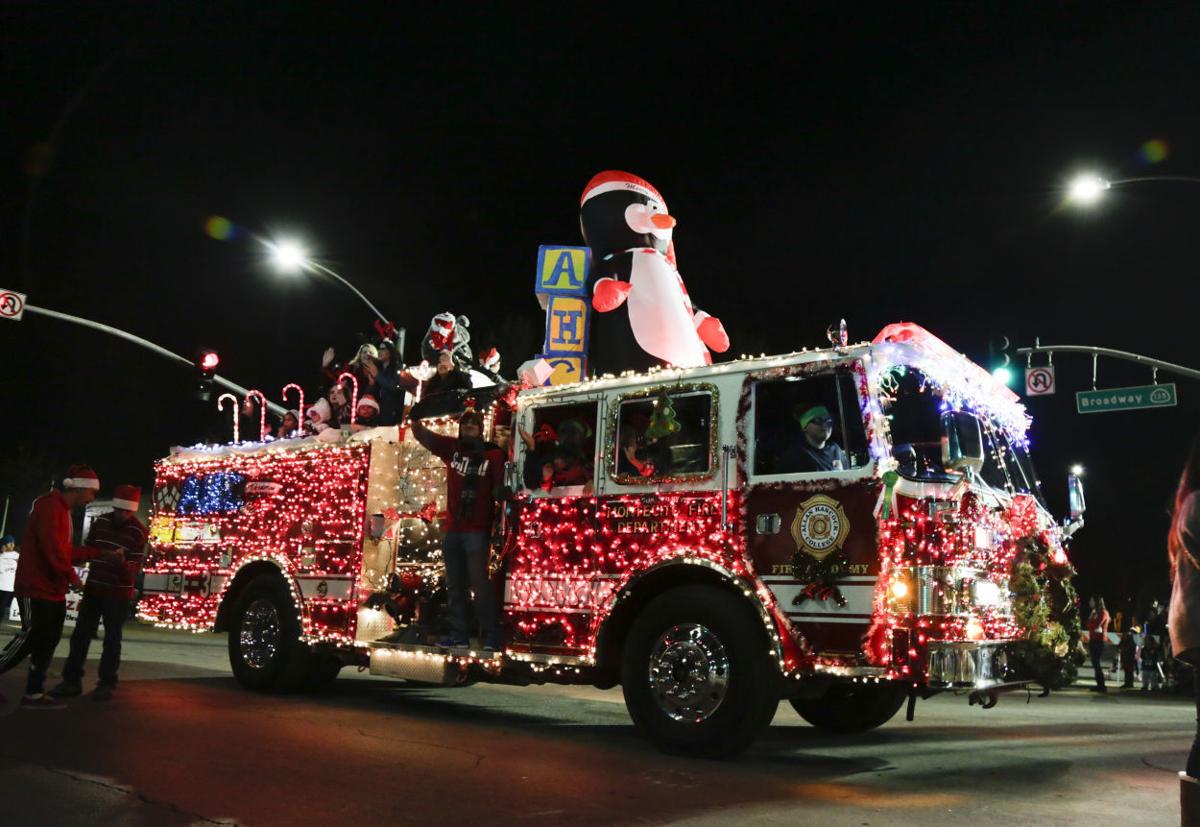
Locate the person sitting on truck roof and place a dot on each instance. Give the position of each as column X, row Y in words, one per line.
column 815, row 451
column 289, row 426
column 318, row 417
column 474, row 482
column 448, row 377
column 367, row 415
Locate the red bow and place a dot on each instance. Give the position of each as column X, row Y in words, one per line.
column 386, row 331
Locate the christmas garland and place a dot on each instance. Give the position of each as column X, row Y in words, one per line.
column 819, row 576
column 1047, row 608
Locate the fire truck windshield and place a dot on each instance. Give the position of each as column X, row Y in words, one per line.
column 914, row 407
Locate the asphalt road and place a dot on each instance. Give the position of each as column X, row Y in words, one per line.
column 183, row 744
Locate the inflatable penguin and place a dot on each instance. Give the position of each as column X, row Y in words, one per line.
column 626, row 223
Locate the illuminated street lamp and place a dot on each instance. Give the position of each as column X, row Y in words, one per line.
column 1077, row 470
column 1086, row 189
column 290, row 256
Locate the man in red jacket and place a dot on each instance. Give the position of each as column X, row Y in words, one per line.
column 44, row 573
column 474, row 481
column 107, row 593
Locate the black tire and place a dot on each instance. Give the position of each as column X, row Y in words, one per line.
column 705, row 639
column 323, row 670
column 853, row 707
column 265, row 649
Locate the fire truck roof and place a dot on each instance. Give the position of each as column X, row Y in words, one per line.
column 963, row 382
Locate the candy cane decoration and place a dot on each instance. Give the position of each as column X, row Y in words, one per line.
column 353, row 396
column 221, row 407
column 299, row 409
column 262, row 413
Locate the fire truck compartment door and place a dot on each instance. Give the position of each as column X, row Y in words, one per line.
column 831, row 529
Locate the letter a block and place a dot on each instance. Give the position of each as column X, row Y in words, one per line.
column 563, row 271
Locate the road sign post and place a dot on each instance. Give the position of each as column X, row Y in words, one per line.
column 1136, row 398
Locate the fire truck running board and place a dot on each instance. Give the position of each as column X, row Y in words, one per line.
column 426, row 664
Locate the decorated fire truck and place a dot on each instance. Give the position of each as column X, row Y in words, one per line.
column 699, row 560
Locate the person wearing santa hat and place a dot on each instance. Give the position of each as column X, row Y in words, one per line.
column 45, row 571
column 107, row 593
column 366, row 415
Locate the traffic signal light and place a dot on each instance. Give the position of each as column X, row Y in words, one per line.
column 1000, row 359
column 206, row 367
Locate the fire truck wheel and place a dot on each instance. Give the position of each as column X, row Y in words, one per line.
column 322, row 671
column 696, row 675
column 265, row 650
column 852, row 707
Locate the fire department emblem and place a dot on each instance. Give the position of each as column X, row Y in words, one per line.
column 820, row 526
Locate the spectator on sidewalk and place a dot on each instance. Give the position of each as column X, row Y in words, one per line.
column 107, row 594
column 8, row 573
column 1152, row 654
column 1097, row 627
column 1128, row 653
column 44, row 573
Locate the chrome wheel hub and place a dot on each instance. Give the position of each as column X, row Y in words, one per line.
column 689, row 672
column 259, row 635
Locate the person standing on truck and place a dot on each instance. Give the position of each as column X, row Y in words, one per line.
column 1097, row 627
column 814, row 451
column 44, row 574
column 474, row 481
column 107, row 594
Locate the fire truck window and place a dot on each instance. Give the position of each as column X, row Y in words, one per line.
column 562, row 456
column 788, row 414
column 995, row 471
column 913, row 410
column 667, row 435
column 1018, row 474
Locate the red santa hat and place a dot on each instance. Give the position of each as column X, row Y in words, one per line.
column 369, row 401
column 81, row 476
column 127, row 497
column 491, row 359
column 617, row 180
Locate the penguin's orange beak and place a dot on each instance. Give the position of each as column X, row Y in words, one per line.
column 663, row 221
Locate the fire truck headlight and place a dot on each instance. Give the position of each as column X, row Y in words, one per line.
column 899, row 589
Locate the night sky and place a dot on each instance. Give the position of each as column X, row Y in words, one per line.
column 821, row 165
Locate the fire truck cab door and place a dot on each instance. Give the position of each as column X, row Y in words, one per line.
column 809, row 506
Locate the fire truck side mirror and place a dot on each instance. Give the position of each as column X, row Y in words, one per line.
column 962, row 442
column 1076, row 503
column 512, row 479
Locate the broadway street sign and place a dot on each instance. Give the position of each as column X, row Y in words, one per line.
column 1126, row 399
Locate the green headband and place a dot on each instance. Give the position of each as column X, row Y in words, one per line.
column 812, row 413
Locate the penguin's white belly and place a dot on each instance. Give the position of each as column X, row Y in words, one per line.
column 658, row 313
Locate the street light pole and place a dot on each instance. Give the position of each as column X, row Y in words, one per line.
column 290, row 255
column 146, row 343
column 1088, row 188
column 323, row 269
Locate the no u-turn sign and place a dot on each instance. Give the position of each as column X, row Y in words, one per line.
column 1039, row 381
column 12, row 305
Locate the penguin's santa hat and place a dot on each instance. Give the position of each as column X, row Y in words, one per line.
column 612, row 180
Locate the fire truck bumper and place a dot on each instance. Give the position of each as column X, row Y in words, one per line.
column 971, row 664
